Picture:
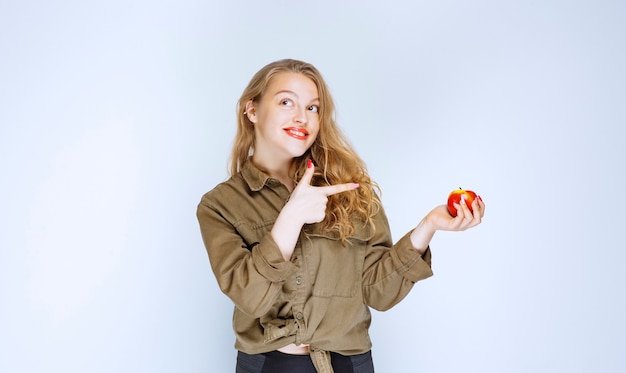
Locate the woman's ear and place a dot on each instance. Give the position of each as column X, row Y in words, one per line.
column 250, row 111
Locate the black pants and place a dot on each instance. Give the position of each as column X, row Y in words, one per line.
column 278, row 362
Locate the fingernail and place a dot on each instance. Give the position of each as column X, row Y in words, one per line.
column 355, row 185
column 309, row 163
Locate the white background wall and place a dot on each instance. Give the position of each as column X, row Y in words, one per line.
column 117, row 116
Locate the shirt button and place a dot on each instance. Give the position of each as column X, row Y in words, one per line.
column 299, row 316
column 298, row 280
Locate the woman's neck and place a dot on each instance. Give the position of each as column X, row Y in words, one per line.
column 281, row 172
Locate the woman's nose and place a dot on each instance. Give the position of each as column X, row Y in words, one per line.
column 300, row 116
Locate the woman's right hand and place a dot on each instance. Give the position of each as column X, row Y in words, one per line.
column 306, row 205
column 309, row 202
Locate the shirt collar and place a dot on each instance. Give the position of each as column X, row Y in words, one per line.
column 255, row 178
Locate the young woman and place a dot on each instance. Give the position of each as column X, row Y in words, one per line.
column 297, row 237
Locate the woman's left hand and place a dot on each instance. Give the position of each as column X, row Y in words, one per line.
column 439, row 219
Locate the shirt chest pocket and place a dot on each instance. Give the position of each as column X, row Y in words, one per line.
column 253, row 233
column 337, row 269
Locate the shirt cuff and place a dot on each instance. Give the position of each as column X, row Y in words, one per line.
column 418, row 267
column 269, row 261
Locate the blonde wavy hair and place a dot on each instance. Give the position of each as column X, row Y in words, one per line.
column 335, row 159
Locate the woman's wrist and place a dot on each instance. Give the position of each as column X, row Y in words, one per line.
column 285, row 232
column 422, row 235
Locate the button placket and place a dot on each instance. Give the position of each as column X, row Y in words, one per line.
column 299, row 294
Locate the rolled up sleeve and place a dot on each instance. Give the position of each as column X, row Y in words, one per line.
column 390, row 271
column 250, row 275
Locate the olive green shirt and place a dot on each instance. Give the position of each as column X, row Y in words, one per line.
column 320, row 297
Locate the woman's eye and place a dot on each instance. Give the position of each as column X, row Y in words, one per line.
column 314, row 108
column 286, row 102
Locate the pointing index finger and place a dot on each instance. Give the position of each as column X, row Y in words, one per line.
column 339, row 188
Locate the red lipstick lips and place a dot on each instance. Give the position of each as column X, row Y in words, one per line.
column 297, row 132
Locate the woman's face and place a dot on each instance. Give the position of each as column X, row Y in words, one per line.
column 286, row 118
